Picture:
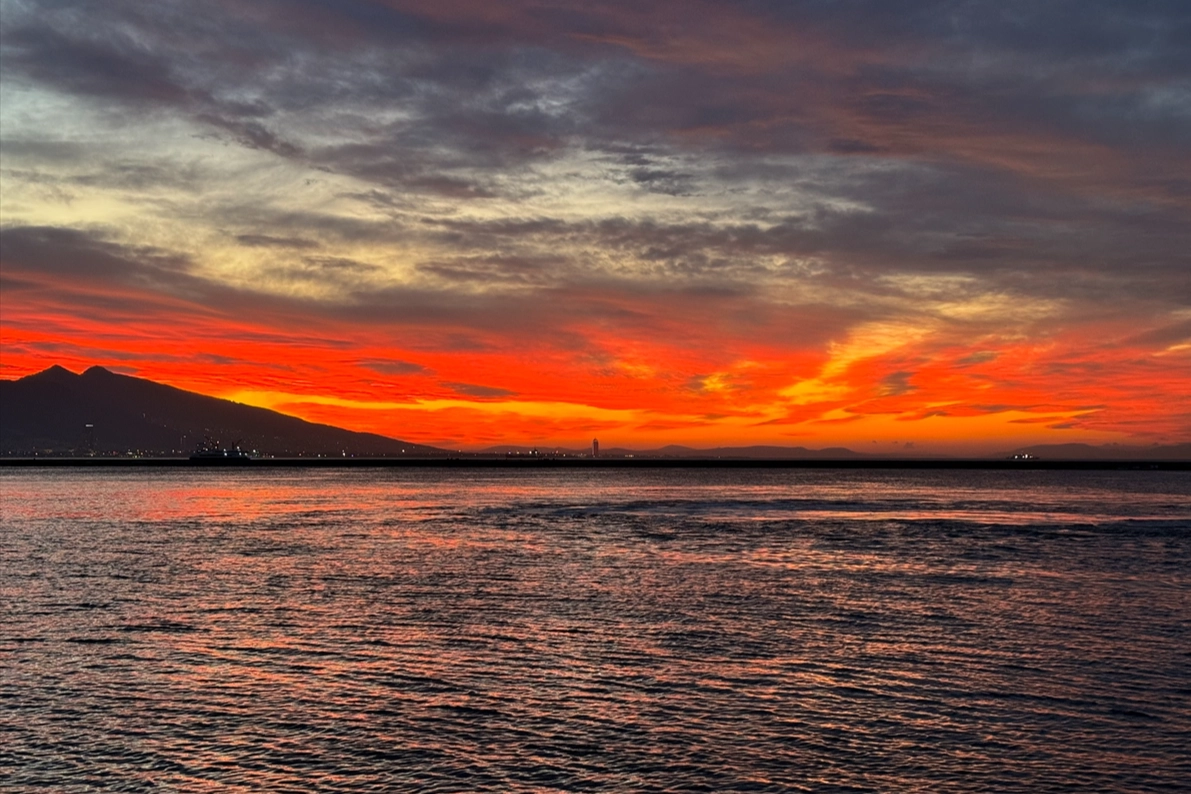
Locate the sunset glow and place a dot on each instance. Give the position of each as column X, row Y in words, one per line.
column 467, row 224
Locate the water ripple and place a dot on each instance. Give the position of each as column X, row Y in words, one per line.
column 449, row 631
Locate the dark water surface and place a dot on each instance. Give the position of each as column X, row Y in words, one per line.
column 599, row 630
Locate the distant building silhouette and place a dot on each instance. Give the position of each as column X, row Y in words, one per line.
column 595, row 447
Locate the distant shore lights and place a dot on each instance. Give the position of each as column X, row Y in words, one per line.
column 595, row 447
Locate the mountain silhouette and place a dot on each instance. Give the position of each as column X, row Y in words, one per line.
column 56, row 412
column 756, row 452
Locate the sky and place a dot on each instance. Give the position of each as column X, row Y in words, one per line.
column 892, row 226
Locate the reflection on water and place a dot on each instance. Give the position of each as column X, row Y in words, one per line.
column 597, row 630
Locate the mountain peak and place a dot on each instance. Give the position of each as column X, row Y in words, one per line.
column 97, row 371
column 54, row 374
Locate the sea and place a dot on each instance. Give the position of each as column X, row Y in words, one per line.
column 605, row 630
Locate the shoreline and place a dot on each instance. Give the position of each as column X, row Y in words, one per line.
column 600, row 463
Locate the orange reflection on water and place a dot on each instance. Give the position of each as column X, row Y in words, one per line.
column 339, row 629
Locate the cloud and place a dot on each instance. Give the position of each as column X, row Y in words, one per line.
column 500, row 270
column 102, row 63
column 979, row 357
column 394, row 367
column 269, row 241
column 641, row 194
column 482, row 392
column 72, row 252
column 896, row 384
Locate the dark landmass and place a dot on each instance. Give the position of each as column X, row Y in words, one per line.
column 101, row 413
column 1041, row 453
column 1120, row 452
column 676, row 451
column 760, row 452
column 523, row 463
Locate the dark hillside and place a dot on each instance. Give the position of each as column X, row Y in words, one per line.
column 56, row 412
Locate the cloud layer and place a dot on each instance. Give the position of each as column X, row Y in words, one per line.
column 465, row 222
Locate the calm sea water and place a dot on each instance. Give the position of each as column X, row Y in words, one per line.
column 602, row 630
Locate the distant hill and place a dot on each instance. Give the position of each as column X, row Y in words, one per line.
column 758, row 451
column 56, row 412
column 514, row 449
column 1123, row 452
column 676, row 451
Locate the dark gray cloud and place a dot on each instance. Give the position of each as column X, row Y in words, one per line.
column 269, row 241
column 73, row 253
column 593, row 70
column 394, row 367
column 1042, row 148
column 895, row 384
column 104, row 63
column 482, row 392
column 250, row 133
column 973, row 359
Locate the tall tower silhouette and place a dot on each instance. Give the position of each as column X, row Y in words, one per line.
column 595, row 447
